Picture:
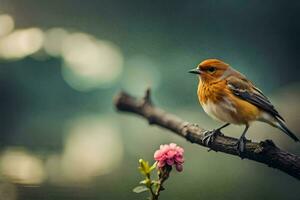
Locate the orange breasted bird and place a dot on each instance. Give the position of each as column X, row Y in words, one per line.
column 228, row 96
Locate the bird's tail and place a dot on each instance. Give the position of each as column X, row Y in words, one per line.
column 282, row 126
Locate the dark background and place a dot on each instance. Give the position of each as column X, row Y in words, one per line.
column 60, row 136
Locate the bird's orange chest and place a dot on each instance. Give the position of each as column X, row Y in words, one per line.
column 212, row 92
column 218, row 101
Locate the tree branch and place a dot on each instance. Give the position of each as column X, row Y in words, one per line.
column 264, row 152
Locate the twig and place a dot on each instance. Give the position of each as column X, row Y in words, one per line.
column 264, row 152
column 163, row 176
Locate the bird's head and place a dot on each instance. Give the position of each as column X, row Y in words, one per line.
column 210, row 69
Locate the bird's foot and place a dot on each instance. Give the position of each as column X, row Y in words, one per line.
column 240, row 146
column 209, row 136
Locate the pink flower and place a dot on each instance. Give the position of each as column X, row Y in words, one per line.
column 169, row 154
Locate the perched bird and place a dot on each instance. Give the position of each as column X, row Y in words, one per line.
column 228, row 96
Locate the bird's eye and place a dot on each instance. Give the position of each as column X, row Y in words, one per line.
column 211, row 69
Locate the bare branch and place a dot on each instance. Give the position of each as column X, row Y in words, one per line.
column 264, row 152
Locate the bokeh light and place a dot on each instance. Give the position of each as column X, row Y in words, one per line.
column 90, row 63
column 21, row 166
column 6, row 25
column 87, row 62
column 54, row 38
column 92, row 148
column 21, row 43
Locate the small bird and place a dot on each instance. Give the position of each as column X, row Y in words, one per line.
column 228, row 96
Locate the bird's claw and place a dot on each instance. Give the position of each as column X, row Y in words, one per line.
column 240, row 146
column 209, row 136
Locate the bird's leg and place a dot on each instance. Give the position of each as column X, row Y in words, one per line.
column 210, row 135
column 240, row 145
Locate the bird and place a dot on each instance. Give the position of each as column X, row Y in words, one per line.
column 230, row 97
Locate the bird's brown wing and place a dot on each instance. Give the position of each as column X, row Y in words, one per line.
column 245, row 90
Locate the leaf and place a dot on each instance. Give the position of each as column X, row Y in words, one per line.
column 140, row 189
column 144, row 167
column 143, row 182
column 146, row 182
column 153, row 166
column 142, row 171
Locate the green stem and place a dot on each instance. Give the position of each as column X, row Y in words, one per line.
column 150, row 188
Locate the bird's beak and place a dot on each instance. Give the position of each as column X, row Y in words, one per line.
column 195, row 71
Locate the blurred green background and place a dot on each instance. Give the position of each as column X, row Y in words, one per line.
column 61, row 63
